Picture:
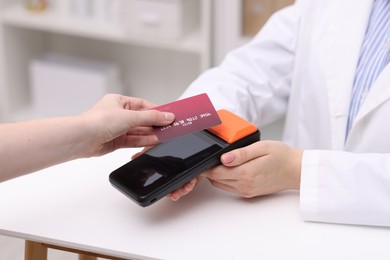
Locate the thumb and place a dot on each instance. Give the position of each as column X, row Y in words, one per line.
column 150, row 118
column 242, row 155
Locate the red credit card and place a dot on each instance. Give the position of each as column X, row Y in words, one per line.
column 191, row 115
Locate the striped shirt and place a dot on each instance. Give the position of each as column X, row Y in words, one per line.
column 374, row 56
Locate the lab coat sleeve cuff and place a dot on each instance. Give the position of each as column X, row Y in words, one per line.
column 309, row 195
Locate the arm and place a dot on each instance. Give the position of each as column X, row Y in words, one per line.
column 114, row 122
column 345, row 187
column 254, row 80
column 335, row 186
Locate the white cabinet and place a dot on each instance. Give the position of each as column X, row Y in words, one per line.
column 169, row 19
column 156, row 68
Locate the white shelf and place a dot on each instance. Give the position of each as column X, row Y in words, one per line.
column 50, row 21
column 157, row 69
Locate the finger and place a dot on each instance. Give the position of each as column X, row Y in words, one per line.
column 140, row 140
column 244, row 154
column 221, row 173
column 141, row 130
column 224, row 186
column 134, row 103
column 141, row 152
column 184, row 190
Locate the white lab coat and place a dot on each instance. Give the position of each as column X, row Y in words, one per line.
column 302, row 65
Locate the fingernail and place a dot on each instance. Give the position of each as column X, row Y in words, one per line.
column 227, row 158
column 188, row 187
column 173, row 197
column 169, row 116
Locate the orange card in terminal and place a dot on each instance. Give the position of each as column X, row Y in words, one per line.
column 171, row 164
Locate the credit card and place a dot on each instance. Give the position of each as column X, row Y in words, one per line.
column 191, row 115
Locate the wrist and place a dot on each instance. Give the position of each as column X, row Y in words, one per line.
column 81, row 136
column 295, row 168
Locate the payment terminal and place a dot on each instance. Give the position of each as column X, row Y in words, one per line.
column 169, row 165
